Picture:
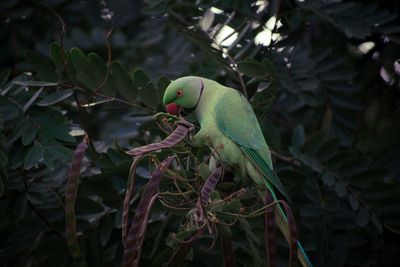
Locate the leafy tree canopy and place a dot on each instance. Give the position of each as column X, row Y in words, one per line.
column 82, row 81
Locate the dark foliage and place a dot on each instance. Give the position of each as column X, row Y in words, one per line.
column 322, row 75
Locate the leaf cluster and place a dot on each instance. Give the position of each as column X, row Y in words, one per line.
column 322, row 76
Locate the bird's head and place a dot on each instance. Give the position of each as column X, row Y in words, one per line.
column 183, row 94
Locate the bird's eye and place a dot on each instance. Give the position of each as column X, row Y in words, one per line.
column 179, row 92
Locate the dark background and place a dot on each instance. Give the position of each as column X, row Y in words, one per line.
column 326, row 93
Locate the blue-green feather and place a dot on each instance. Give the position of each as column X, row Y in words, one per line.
column 236, row 119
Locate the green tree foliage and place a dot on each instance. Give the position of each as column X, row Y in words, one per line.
column 81, row 81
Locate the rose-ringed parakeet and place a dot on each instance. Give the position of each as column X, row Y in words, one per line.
column 229, row 125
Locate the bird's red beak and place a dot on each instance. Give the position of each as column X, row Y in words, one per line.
column 173, row 108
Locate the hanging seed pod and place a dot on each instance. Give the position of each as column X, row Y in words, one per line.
column 209, row 185
column 139, row 224
column 128, row 195
column 134, row 239
column 70, row 198
column 174, row 138
column 269, row 228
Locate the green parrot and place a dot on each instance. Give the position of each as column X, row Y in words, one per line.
column 228, row 124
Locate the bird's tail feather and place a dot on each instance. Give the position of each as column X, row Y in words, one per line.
column 282, row 222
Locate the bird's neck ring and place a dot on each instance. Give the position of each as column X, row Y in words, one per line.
column 190, row 110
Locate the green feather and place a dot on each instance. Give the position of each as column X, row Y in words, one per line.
column 229, row 125
column 265, row 170
column 236, row 119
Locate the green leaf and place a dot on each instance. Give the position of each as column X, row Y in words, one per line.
column 123, row 82
column 71, row 71
column 163, row 83
column 341, row 189
column 60, row 152
column 87, row 206
column 232, row 206
column 55, row 127
column 162, row 257
column 141, row 79
column 105, row 190
column 149, row 96
column 247, row 228
column 106, row 227
column 35, row 83
column 84, row 72
column 363, row 217
column 269, row 67
column 98, row 67
column 354, row 203
column 48, row 159
column 116, row 156
column 252, row 69
column 33, row 156
column 43, row 68
column 355, row 165
column 56, row 55
column 309, row 99
column 55, row 97
column 328, row 150
column 32, row 99
column 344, row 101
column 342, row 157
column 146, row 91
column 204, row 171
column 59, row 58
column 29, row 135
column 328, row 178
column 298, row 136
column 23, row 125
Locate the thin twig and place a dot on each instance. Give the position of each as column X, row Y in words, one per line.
column 111, row 98
column 63, row 27
column 239, row 74
column 286, row 159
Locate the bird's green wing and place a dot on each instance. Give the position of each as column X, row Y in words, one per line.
column 236, row 119
column 265, row 170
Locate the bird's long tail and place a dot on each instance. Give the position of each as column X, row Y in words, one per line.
column 282, row 222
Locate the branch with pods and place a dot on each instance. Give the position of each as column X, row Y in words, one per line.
column 204, row 212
